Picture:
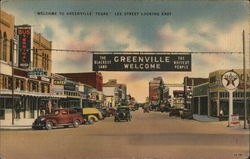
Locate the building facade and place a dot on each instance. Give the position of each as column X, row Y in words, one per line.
column 115, row 93
column 189, row 83
column 25, row 76
column 93, row 79
column 158, row 92
column 219, row 97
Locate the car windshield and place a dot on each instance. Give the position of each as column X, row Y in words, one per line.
column 123, row 110
column 55, row 112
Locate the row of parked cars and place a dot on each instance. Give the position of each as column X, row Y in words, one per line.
column 66, row 117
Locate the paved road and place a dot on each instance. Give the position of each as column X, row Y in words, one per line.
column 152, row 135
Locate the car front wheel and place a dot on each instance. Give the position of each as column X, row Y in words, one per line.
column 49, row 125
column 76, row 123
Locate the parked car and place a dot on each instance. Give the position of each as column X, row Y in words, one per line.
column 111, row 111
column 90, row 114
column 103, row 111
column 59, row 117
column 187, row 114
column 175, row 111
column 123, row 113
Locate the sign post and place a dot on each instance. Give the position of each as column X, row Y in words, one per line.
column 230, row 81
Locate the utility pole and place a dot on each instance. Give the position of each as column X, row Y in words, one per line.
column 12, row 84
column 245, row 80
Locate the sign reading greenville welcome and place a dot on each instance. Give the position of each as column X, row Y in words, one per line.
column 141, row 62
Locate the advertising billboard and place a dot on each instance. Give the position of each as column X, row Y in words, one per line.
column 142, row 62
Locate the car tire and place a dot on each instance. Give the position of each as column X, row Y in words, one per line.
column 91, row 120
column 76, row 123
column 48, row 125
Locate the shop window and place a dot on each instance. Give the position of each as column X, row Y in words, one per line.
column 1, row 102
column 2, row 114
column 213, row 94
column 8, row 103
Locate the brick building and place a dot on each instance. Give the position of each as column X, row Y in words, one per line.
column 93, row 79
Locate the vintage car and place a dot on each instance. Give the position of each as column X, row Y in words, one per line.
column 175, row 111
column 111, row 111
column 187, row 114
column 59, row 117
column 90, row 114
column 123, row 113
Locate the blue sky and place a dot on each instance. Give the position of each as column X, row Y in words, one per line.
column 192, row 26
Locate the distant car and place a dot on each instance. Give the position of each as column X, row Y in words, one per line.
column 187, row 114
column 175, row 111
column 111, row 111
column 123, row 113
column 103, row 111
column 59, row 117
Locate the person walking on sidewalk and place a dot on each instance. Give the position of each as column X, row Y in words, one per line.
column 221, row 114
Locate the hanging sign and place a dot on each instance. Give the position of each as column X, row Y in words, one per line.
column 142, row 62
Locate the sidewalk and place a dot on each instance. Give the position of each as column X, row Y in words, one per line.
column 18, row 124
column 204, row 118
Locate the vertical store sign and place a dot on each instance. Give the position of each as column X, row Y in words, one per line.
column 24, row 42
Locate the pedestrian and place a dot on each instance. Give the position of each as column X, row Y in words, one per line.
column 42, row 109
column 221, row 114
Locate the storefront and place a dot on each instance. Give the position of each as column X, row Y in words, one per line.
column 219, row 97
column 200, row 99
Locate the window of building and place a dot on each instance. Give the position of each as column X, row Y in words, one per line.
column 1, row 102
column 4, row 82
column 35, row 86
column 5, row 47
column 1, row 55
column 212, row 79
column 11, row 53
column 43, row 59
column 224, row 94
column 22, row 85
column 2, row 114
column 17, row 84
column 8, row 103
column 10, row 83
column 42, row 88
column 34, row 57
column 37, row 55
column 213, row 94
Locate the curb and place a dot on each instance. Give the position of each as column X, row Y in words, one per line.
column 15, row 127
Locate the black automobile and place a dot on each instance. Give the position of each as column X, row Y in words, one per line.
column 187, row 114
column 122, row 113
column 103, row 111
column 175, row 111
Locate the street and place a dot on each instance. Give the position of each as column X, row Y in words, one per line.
column 152, row 135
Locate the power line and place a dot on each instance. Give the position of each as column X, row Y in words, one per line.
column 140, row 52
